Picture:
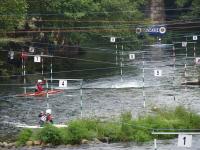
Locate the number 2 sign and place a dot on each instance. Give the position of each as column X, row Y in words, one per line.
column 184, row 140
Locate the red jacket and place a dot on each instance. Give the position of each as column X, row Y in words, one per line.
column 39, row 86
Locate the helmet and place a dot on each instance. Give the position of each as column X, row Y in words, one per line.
column 39, row 81
column 48, row 111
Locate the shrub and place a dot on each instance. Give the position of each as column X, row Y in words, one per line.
column 108, row 130
column 77, row 130
column 24, row 137
column 50, row 134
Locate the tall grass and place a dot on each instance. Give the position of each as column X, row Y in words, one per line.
column 120, row 129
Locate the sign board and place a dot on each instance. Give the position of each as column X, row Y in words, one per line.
column 112, row 39
column 37, row 59
column 184, row 44
column 195, row 37
column 62, row 83
column 131, row 56
column 197, row 60
column 158, row 73
column 154, row 30
column 184, row 140
column 31, row 49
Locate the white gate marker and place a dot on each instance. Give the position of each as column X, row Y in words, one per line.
column 131, row 56
column 37, row 58
column 197, row 60
column 157, row 73
column 184, row 44
column 112, row 39
column 62, row 83
column 184, row 140
column 195, row 37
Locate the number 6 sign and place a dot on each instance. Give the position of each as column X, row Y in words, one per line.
column 184, row 140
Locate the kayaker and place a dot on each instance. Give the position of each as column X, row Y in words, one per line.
column 39, row 87
column 43, row 118
column 49, row 116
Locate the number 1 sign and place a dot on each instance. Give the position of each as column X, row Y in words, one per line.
column 37, row 59
column 184, row 140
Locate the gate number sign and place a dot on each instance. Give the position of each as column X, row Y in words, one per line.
column 112, row 39
column 184, row 140
column 37, row 59
column 131, row 56
column 195, row 37
column 62, row 83
column 158, row 73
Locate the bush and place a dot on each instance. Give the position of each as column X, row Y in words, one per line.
column 108, row 130
column 50, row 134
column 24, row 137
column 77, row 130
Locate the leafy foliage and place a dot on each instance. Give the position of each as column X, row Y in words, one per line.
column 23, row 137
column 50, row 134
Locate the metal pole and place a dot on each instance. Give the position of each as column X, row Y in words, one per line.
column 81, row 97
column 24, row 77
column 185, row 71
column 174, row 68
column 143, row 92
column 116, row 57
column 194, row 50
column 121, row 64
column 51, row 71
column 47, row 86
column 155, row 144
column 42, row 66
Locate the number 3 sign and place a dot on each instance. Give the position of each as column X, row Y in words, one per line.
column 184, row 140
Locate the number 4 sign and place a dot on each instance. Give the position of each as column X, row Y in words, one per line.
column 62, row 83
column 184, row 140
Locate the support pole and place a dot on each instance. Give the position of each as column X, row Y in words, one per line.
column 174, row 69
column 121, row 64
column 81, row 98
column 155, row 144
column 143, row 92
column 185, row 68
column 116, row 55
column 24, row 77
column 51, row 71
column 42, row 66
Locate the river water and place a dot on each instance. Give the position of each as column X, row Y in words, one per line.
column 110, row 94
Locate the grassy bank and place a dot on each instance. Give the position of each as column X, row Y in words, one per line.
column 122, row 129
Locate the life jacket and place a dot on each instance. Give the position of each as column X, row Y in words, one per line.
column 49, row 117
column 43, row 118
column 39, row 87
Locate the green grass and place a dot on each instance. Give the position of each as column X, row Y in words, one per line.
column 121, row 129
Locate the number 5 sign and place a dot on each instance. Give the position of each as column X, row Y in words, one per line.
column 62, row 83
column 184, row 140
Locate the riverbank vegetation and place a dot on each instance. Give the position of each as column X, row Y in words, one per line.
column 69, row 27
column 123, row 129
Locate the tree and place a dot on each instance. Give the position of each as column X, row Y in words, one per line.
column 12, row 14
